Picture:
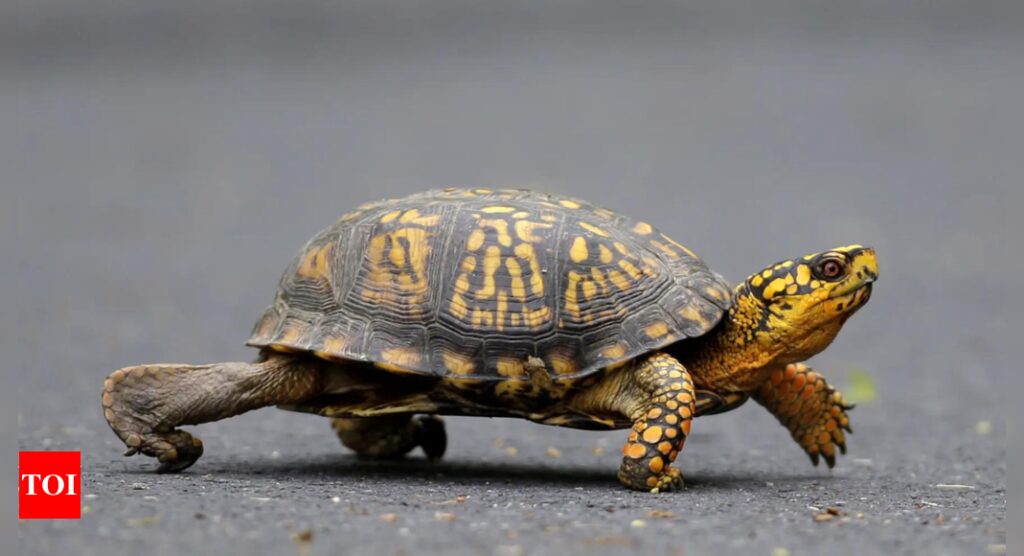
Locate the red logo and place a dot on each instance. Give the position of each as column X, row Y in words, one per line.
column 50, row 485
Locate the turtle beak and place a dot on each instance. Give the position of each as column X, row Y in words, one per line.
column 863, row 265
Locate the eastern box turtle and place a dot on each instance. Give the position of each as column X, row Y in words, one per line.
column 516, row 304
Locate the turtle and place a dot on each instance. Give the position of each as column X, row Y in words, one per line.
column 515, row 303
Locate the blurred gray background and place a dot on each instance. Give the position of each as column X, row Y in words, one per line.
column 162, row 162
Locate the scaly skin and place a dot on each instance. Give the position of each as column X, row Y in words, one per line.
column 781, row 316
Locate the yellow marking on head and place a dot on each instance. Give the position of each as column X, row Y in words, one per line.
column 775, row 286
column 525, row 230
column 656, row 330
column 757, row 280
column 642, row 228
column 569, row 204
column 476, row 239
column 578, row 252
column 593, row 229
column 803, row 275
column 317, row 263
column 501, row 227
column 604, row 254
column 792, row 288
column 457, row 363
column 390, row 216
column 498, row 210
column 401, row 357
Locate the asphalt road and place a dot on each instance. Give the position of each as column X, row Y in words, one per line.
column 162, row 164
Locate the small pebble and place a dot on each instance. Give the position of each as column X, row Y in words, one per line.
column 638, row 523
column 983, row 428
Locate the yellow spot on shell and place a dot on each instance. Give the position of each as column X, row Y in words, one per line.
column 526, row 229
column 562, row 364
column 569, row 204
column 458, row 363
column 499, row 226
column 619, row 280
column 476, row 239
column 498, row 209
column 605, row 254
column 642, row 228
column 589, row 289
column 492, row 260
column 614, row 352
column 334, row 344
column 390, row 216
column 511, row 368
column 656, row 330
column 579, row 252
column 317, row 264
column 521, row 214
column 593, row 229
column 401, row 357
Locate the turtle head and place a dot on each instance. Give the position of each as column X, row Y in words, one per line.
column 804, row 302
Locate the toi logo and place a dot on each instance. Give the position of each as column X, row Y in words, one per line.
column 50, row 485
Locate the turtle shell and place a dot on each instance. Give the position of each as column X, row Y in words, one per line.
column 477, row 284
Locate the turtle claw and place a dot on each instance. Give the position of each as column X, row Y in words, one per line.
column 671, row 480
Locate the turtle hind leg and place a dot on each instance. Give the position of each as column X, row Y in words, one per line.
column 144, row 404
column 392, row 436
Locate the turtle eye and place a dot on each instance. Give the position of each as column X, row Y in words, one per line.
column 830, row 269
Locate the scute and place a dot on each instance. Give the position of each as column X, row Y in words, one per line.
column 481, row 284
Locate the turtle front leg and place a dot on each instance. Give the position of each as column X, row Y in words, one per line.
column 656, row 394
column 812, row 410
column 663, row 406
column 144, row 404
